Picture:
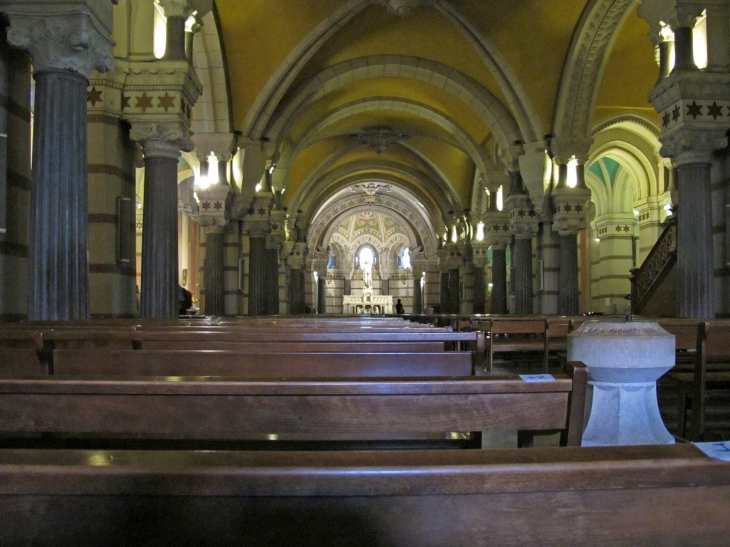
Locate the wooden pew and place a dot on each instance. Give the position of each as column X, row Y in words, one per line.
column 662, row 495
column 231, row 409
column 711, row 373
column 83, row 348
column 509, row 335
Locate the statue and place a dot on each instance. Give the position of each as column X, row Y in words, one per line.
column 367, row 276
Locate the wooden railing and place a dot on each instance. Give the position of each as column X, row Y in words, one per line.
column 646, row 279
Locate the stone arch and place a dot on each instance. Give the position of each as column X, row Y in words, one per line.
column 208, row 116
column 489, row 109
column 423, row 233
column 595, row 34
column 317, row 188
column 314, row 133
column 634, row 162
column 280, row 82
column 526, row 117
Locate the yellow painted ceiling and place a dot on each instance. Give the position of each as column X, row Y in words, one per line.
column 532, row 35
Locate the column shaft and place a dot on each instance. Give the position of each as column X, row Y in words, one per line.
column 159, row 240
column 695, row 267
column 444, row 300
column 272, row 282
column 480, row 291
column 523, row 276
column 454, row 296
column 58, row 250
column 322, row 294
column 214, row 274
column 296, row 291
column 257, row 276
column 175, row 42
column 499, row 281
column 568, row 276
column 417, row 296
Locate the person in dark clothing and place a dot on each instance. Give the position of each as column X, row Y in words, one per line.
column 399, row 308
column 186, row 300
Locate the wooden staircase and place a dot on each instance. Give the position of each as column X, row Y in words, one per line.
column 653, row 285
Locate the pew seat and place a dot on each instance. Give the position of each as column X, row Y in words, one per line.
column 239, row 409
column 664, row 495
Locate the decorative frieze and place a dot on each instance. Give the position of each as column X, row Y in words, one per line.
column 569, row 210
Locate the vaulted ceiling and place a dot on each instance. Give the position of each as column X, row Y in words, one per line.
column 348, row 91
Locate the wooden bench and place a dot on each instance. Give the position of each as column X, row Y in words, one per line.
column 75, row 348
column 231, row 409
column 508, row 335
column 711, row 373
column 663, row 495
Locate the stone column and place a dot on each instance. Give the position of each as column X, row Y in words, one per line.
column 692, row 151
column 65, row 47
column 214, row 273
column 162, row 143
column 177, row 12
column 569, row 219
column 499, row 279
column 322, row 294
column 454, row 293
column 568, row 275
column 695, row 264
column 445, row 298
column 271, row 277
column 497, row 236
column 295, row 260
column 523, row 224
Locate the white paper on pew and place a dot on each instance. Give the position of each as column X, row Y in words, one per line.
column 537, row 377
column 719, row 451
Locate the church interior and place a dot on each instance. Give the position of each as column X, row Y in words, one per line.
column 198, row 191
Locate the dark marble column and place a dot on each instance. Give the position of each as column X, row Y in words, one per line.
column 58, row 246
column 695, row 267
column 214, row 273
column 444, row 296
column 499, row 281
column 684, row 49
column 454, row 293
column 257, row 275
column 568, row 276
column 480, row 290
column 523, row 276
column 272, row 281
column 296, row 291
column 322, row 294
column 160, row 296
column 417, row 295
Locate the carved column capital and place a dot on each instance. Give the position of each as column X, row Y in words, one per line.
column 569, row 210
column 66, row 41
column 162, row 139
column 176, row 8
column 693, row 145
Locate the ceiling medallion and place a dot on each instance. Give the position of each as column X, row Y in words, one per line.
column 403, row 7
column 380, row 138
column 370, row 189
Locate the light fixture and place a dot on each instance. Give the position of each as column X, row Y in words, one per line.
column 668, row 207
column 597, row 240
column 480, row 231
column 637, row 212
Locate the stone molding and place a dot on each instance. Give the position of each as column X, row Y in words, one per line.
column 176, row 8
column 569, row 210
column 66, row 41
column 404, row 8
column 296, row 254
column 497, row 232
column 693, row 144
column 162, row 139
column 388, row 202
column 596, row 31
column 523, row 220
column 222, row 145
column 693, row 106
column 480, row 254
column 212, row 204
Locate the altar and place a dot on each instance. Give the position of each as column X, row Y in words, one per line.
column 368, row 304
